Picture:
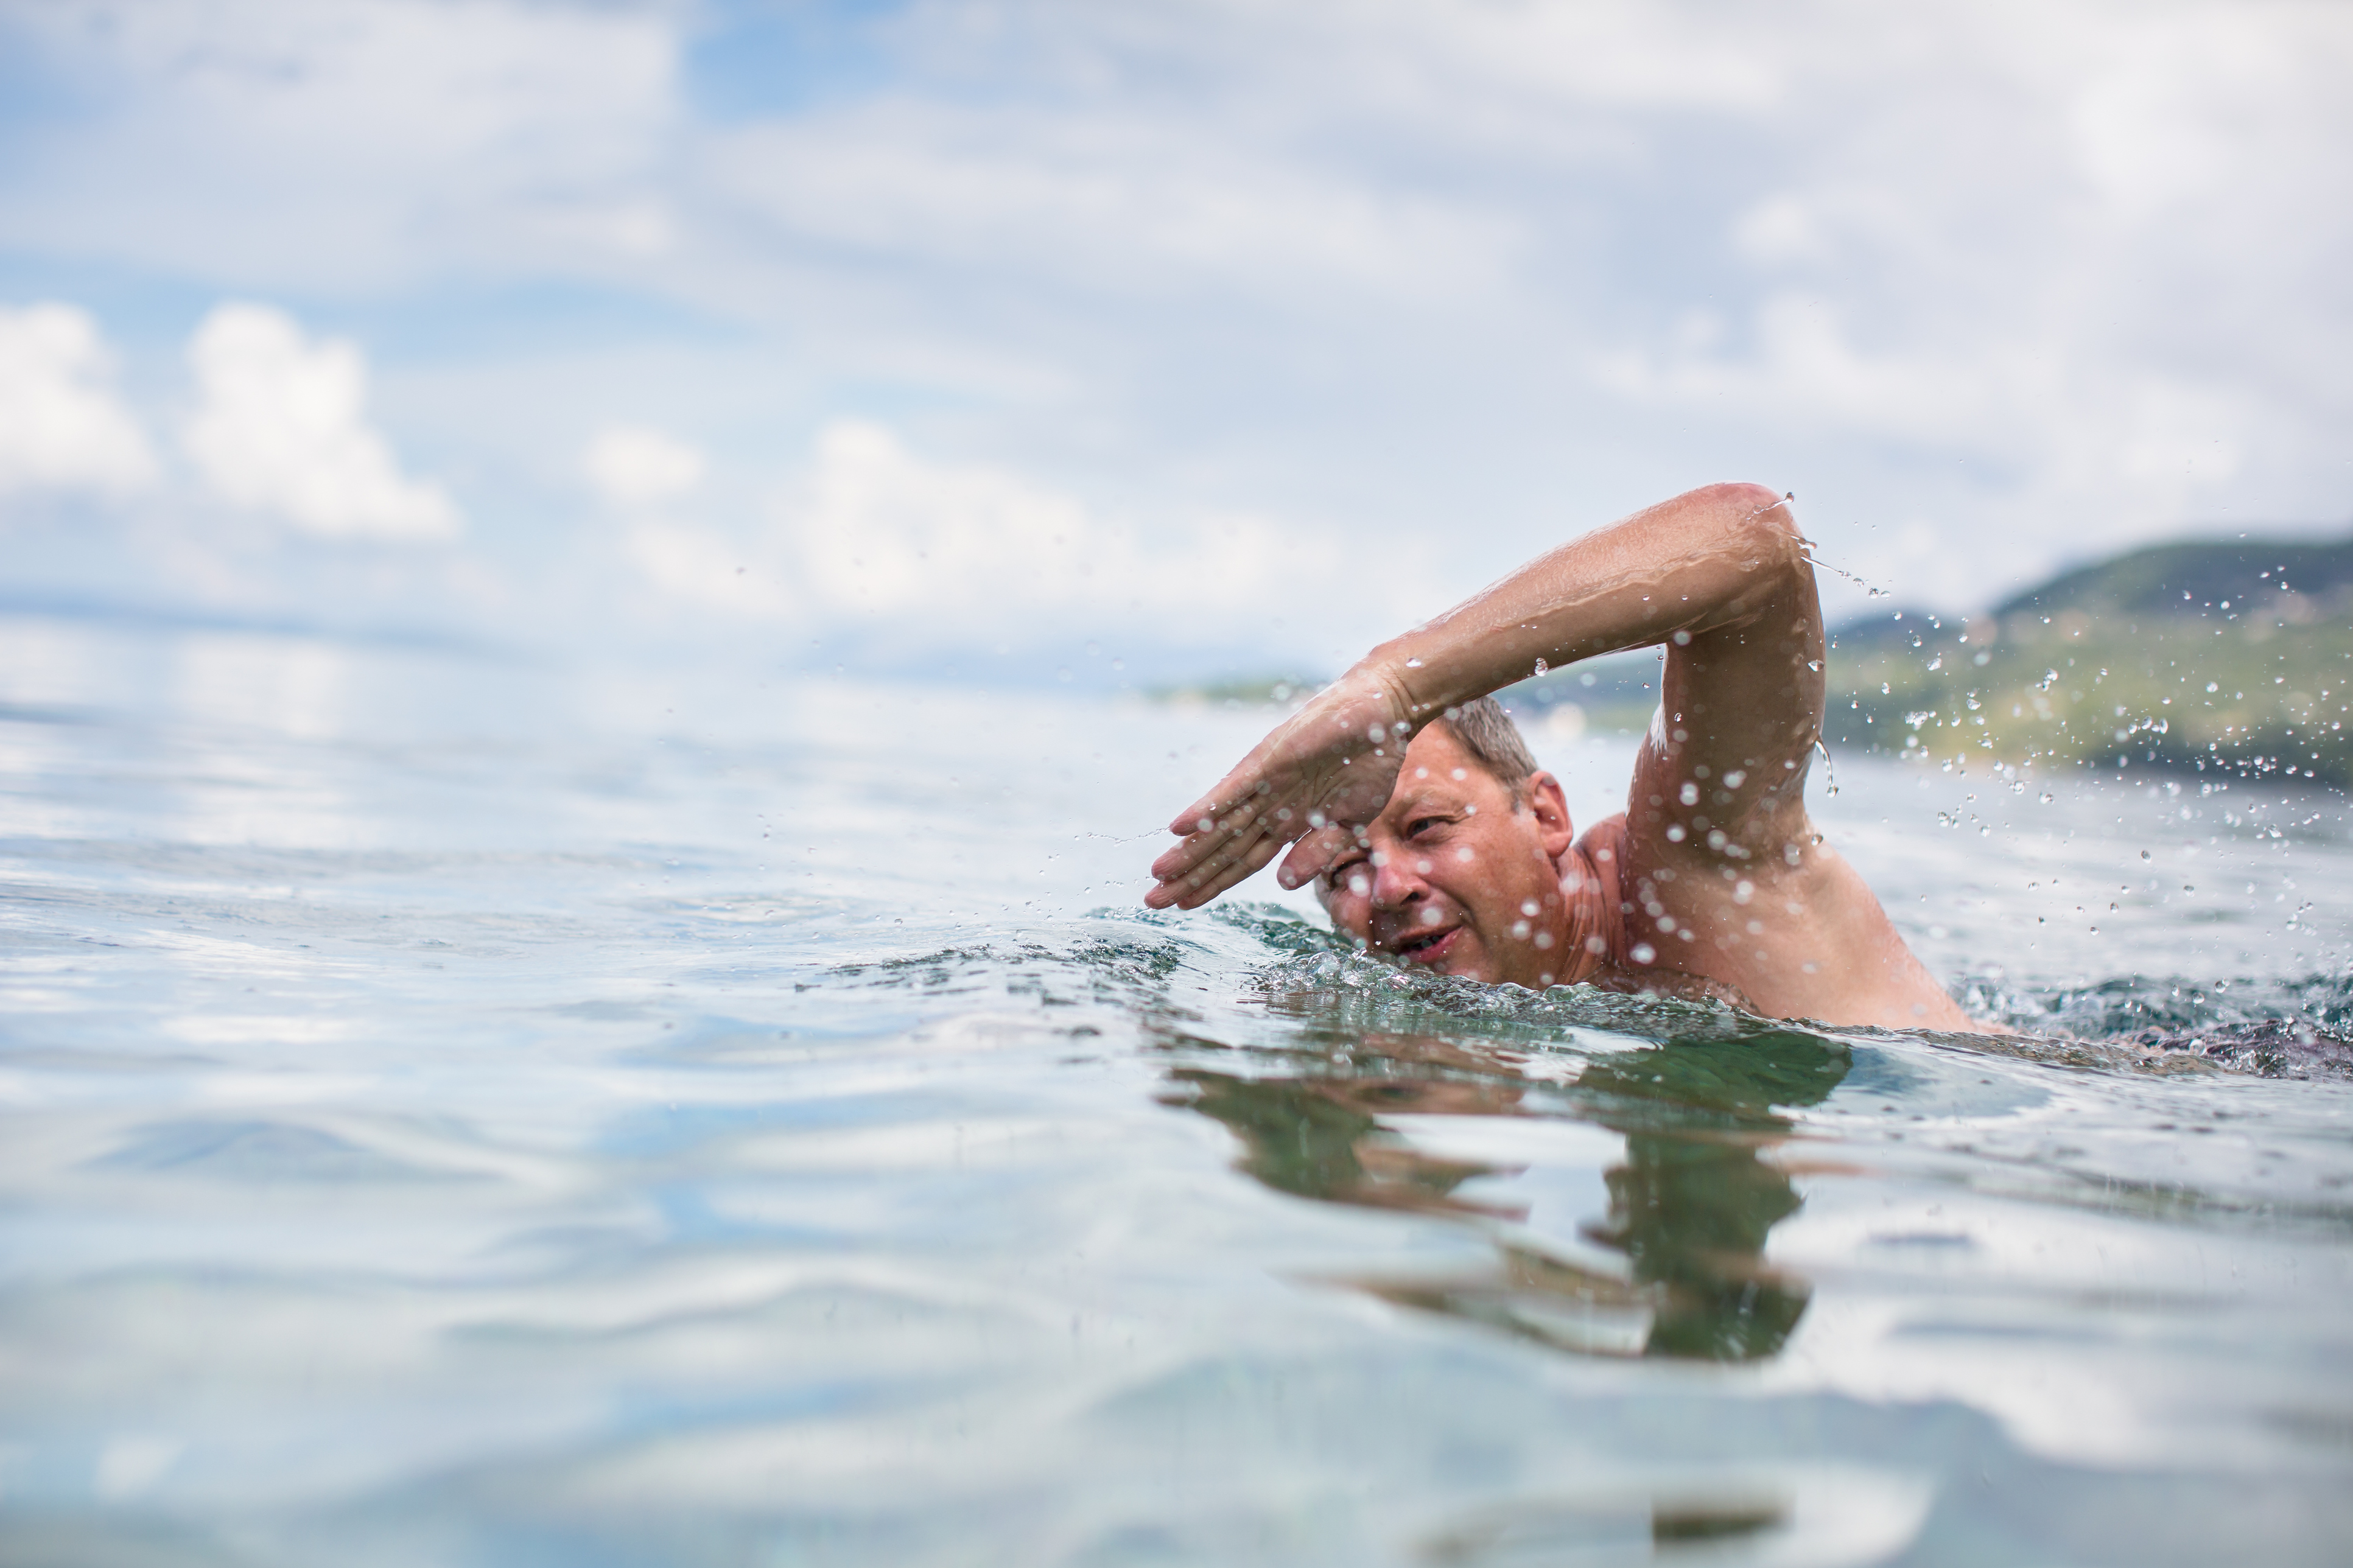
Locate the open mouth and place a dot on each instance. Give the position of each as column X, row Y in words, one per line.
column 1427, row 948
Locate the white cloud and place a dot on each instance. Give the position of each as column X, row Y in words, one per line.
column 1781, row 229
column 1801, row 368
column 632, row 466
column 1118, row 203
column 2167, row 117
column 885, row 536
column 2047, row 275
column 916, row 556
column 698, row 568
column 282, row 428
column 285, row 143
column 933, row 551
column 61, row 425
column 2108, row 447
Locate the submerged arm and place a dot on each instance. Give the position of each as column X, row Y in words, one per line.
column 1719, row 573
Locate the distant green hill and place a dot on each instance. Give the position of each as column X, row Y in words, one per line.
column 2164, row 578
column 2231, row 657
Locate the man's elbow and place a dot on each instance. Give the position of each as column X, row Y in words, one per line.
column 1762, row 521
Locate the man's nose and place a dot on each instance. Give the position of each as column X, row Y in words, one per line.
column 1396, row 881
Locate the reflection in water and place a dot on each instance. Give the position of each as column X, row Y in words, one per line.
column 1609, row 1528
column 1690, row 1205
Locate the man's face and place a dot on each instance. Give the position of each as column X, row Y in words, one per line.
column 1450, row 876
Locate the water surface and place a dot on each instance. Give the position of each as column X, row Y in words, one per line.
column 464, row 1111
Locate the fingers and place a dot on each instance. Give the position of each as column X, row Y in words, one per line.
column 1312, row 854
column 1237, row 828
column 1231, row 874
column 1188, row 853
column 1192, row 874
column 1206, row 836
column 1204, row 810
column 1217, row 807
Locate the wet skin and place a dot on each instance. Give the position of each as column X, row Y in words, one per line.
column 1456, row 875
column 1716, row 874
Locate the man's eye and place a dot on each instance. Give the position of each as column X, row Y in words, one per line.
column 1422, row 824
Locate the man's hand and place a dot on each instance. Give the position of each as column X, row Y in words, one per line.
column 1324, row 771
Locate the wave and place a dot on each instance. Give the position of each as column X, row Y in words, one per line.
column 1267, row 954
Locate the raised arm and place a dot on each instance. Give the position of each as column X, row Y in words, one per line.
column 1719, row 575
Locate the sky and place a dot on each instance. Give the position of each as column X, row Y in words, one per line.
column 1011, row 337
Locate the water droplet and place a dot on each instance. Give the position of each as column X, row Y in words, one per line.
column 1542, row 669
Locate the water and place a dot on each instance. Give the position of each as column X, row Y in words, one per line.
column 461, row 1111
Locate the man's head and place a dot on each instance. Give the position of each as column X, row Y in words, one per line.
column 1458, row 871
column 1487, row 736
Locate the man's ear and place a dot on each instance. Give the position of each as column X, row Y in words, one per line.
column 1549, row 806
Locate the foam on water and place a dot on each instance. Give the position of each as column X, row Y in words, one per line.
column 463, row 1112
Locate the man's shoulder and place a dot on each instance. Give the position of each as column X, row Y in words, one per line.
column 1605, row 844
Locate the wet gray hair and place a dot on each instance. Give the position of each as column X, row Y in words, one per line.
column 1482, row 728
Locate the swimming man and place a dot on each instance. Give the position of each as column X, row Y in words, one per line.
column 1408, row 799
